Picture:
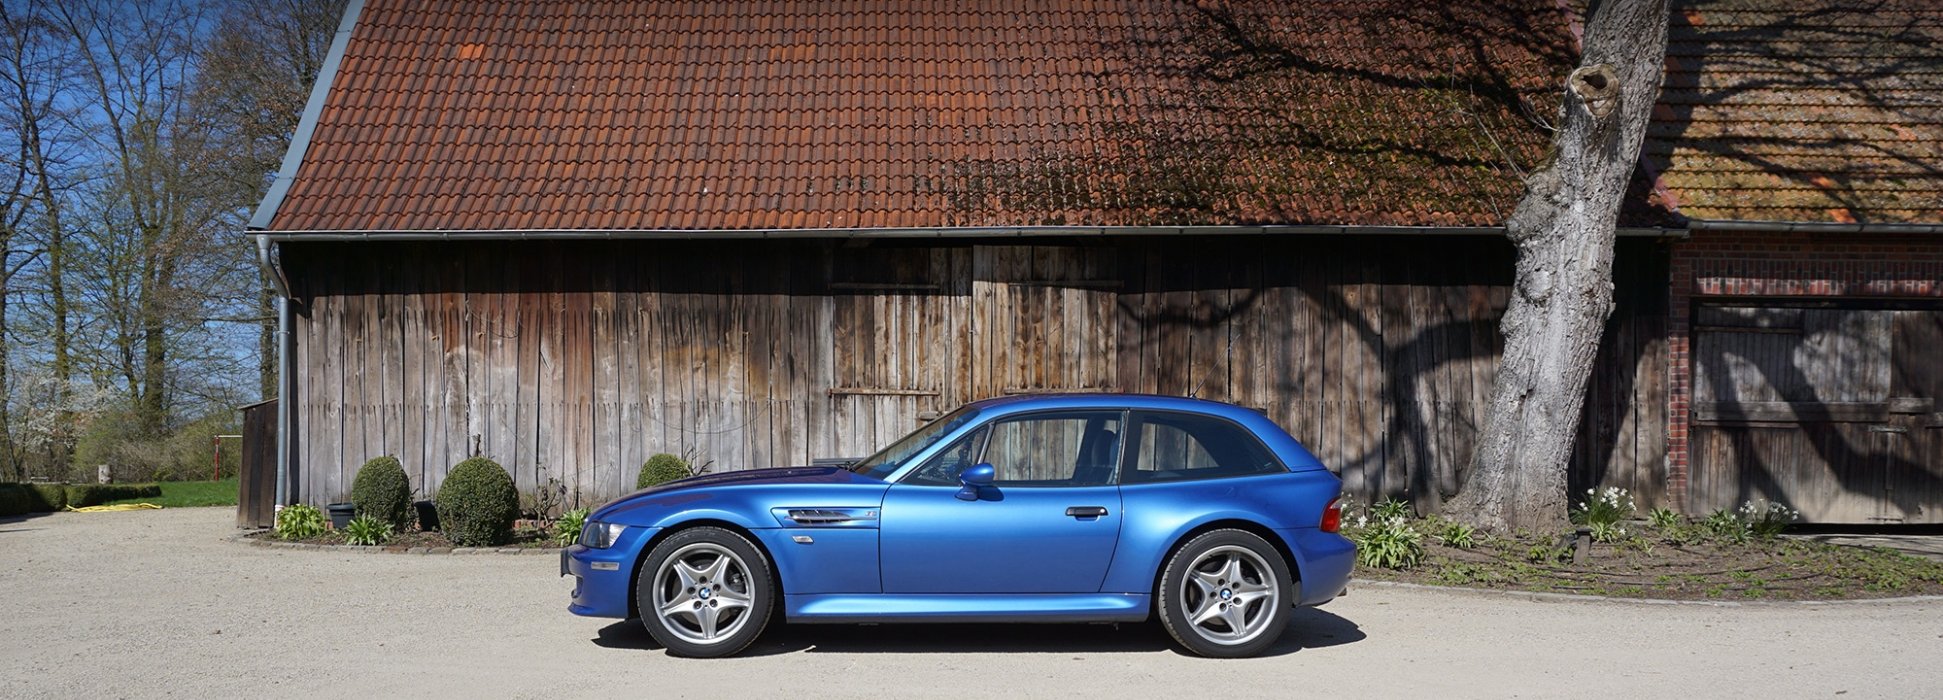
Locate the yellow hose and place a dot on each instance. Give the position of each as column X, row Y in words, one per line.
column 124, row 506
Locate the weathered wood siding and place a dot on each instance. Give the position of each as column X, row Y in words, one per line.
column 256, row 485
column 575, row 361
column 1828, row 407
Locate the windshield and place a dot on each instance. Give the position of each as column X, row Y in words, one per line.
column 887, row 460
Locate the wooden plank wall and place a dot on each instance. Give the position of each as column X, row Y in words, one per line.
column 1622, row 433
column 257, row 477
column 1829, row 407
column 575, row 361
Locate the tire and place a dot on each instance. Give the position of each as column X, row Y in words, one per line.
column 1225, row 594
column 705, row 592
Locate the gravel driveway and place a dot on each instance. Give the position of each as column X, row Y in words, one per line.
column 157, row 603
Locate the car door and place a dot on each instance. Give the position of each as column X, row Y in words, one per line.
column 1048, row 524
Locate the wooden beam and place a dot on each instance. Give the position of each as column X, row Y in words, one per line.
column 1790, row 412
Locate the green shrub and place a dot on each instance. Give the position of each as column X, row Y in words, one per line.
column 32, row 498
column 367, row 531
column 43, row 498
column 1765, row 519
column 1663, row 518
column 1390, row 509
column 1724, row 527
column 1457, row 535
column 50, row 497
column 1386, row 540
column 382, row 491
column 567, row 528
column 477, row 503
column 14, row 500
column 84, row 495
column 296, row 522
column 1608, row 532
column 1606, row 507
column 118, row 439
column 192, row 448
column 1547, row 554
column 661, row 469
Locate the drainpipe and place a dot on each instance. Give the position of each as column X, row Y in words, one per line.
column 284, row 382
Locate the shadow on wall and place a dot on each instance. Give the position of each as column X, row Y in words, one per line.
column 1789, row 389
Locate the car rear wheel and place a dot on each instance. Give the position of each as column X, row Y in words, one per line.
column 705, row 592
column 1225, row 594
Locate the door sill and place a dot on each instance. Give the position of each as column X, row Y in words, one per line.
column 966, row 607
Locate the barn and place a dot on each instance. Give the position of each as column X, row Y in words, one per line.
column 567, row 236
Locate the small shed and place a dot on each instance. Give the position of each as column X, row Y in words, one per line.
column 256, row 501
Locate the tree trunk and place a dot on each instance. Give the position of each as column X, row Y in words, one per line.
column 152, row 401
column 7, row 452
column 1563, row 228
column 266, row 339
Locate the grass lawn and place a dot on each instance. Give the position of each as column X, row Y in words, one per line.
column 188, row 494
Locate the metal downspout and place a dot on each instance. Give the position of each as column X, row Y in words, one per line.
column 283, row 370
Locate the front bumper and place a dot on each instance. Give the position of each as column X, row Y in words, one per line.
column 602, row 576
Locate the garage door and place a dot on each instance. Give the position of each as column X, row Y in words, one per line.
column 1831, row 409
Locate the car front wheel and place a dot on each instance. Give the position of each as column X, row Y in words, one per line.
column 705, row 592
column 1225, row 594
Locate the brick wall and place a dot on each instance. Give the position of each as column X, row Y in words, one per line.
column 1717, row 264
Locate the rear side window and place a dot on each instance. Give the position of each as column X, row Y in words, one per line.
column 1182, row 446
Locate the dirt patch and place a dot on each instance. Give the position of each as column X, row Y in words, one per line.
column 1644, row 567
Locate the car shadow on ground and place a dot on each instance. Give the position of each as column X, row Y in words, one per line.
column 1309, row 628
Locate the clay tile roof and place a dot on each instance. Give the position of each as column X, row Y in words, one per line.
column 1805, row 110
column 750, row 114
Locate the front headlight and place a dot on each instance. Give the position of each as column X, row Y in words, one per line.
column 601, row 535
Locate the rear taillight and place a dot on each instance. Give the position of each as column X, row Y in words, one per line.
column 1332, row 516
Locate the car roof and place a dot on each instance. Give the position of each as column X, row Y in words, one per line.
column 1033, row 402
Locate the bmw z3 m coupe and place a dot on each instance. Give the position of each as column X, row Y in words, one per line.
column 1068, row 508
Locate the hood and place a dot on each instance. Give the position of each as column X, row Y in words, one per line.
column 751, row 477
column 779, row 475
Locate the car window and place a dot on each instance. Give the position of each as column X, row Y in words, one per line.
column 1055, row 449
column 887, row 460
column 942, row 468
column 1177, row 446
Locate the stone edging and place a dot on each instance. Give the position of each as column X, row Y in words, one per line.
column 244, row 538
column 1548, row 597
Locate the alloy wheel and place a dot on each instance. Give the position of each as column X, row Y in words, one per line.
column 1230, row 595
column 702, row 593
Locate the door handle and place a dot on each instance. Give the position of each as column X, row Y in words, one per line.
column 1086, row 511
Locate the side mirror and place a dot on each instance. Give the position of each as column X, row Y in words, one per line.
column 975, row 480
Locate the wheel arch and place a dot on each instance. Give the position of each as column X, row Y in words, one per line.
column 1267, row 534
column 641, row 562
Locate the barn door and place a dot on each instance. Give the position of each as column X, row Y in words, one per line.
column 1915, row 430
column 1820, row 407
column 1043, row 319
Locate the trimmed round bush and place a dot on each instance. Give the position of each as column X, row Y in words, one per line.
column 661, row 469
column 383, row 492
column 477, row 503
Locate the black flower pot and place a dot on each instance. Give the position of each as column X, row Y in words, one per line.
column 428, row 515
column 341, row 514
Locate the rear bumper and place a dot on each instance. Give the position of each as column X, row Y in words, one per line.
column 1324, row 559
column 602, row 576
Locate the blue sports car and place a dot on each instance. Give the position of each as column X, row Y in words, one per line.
column 1068, row 508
